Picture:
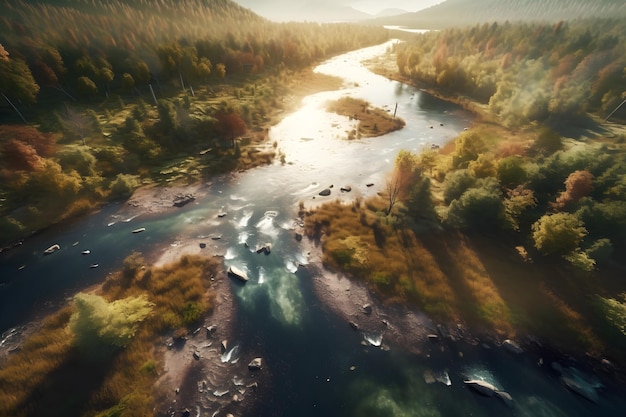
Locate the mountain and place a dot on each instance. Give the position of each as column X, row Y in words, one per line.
column 471, row 12
column 391, row 12
column 305, row 10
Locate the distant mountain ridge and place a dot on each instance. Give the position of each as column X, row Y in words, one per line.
column 470, row 12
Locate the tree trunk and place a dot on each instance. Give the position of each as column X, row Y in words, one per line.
column 14, row 108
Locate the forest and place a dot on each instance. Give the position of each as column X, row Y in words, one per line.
column 518, row 225
column 527, row 72
column 97, row 98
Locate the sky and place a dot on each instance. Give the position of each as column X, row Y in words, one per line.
column 368, row 6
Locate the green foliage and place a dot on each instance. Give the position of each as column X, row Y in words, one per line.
column 600, row 251
column 511, row 172
column 526, row 72
column 86, row 87
column 558, row 234
column 456, row 184
column 99, row 326
column 479, row 208
column 78, row 158
column 615, row 311
column 192, row 312
column 548, row 141
column 123, row 186
column 468, row 145
column 518, row 201
column 420, row 204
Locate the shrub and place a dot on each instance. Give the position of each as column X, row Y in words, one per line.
column 558, row 234
column 548, row 141
column 99, row 326
column 456, row 184
column 467, row 148
column 123, row 186
column 479, row 208
column 511, row 172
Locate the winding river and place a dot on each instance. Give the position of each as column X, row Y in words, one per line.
column 318, row 364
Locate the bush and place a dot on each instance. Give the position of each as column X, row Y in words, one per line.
column 548, row 141
column 511, row 172
column 479, row 208
column 601, row 250
column 99, row 326
column 123, row 186
column 558, row 234
column 456, row 184
column 467, row 148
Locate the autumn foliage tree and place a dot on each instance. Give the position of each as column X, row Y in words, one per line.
column 230, row 125
column 577, row 185
column 24, row 147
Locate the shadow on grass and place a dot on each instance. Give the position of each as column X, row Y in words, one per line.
column 70, row 387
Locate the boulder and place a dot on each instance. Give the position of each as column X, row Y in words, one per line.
column 224, row 345
column 255, row 364
column 354, row 325
column 481, row 387
column 346, row 189
column 186, row 413
column 180, row 200
column 238, row 273
column 505, row 397
column 52, row 249
column 325, row 192
column 367, row 308
column 266, row 249
column 512, row 347
column 196, row 355
column 298, row 237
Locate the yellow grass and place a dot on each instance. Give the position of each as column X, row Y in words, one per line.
column 450, row 276
column 48, row 367
column 372, row 121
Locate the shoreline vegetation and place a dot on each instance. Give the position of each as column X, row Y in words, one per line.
column 497, row 281
column 371, row 121
column 496, row 230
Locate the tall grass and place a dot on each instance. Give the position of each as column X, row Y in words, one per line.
column 48, row 376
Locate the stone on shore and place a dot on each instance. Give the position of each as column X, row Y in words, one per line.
column 325, row 192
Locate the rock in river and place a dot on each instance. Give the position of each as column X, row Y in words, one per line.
column 481, row 387
column 325, row 192
column 512, row 347
column 52, row 249
column 255, row 364
column 237, row 273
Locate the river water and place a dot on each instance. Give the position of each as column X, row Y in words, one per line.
column 308, row 350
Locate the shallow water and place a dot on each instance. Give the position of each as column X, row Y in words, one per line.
column 307, row 349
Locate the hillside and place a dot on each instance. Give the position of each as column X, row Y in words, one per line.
column 469, row 12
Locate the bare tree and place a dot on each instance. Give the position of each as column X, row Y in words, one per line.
column 392, row 191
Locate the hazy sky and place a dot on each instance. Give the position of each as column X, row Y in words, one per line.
column 369, row 6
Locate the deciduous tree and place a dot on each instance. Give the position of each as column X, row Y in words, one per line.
column 558, row 234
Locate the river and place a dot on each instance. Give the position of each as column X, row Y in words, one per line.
column 319, row 365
